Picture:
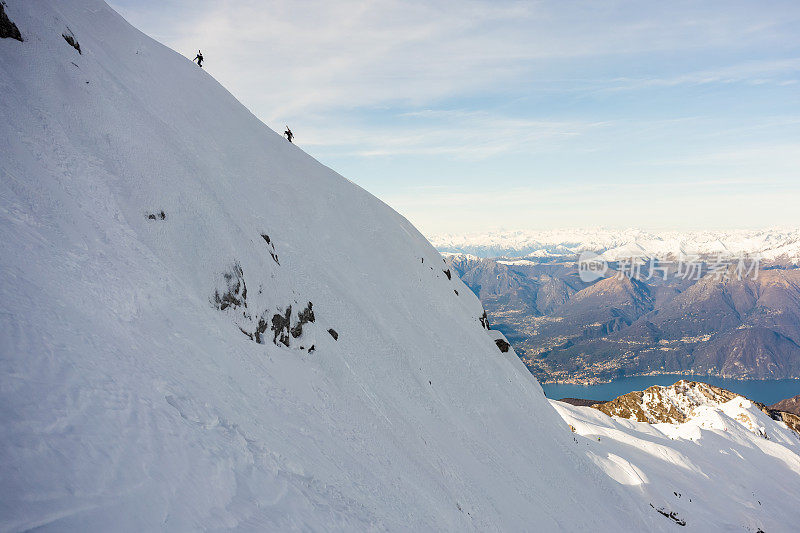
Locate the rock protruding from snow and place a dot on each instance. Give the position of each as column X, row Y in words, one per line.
column 71, row 40
column 8, row 30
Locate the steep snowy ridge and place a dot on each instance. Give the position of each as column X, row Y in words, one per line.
column 135, row 198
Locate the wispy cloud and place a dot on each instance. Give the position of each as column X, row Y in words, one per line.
column 467, row 135
column 753, row 72
column 671, row 109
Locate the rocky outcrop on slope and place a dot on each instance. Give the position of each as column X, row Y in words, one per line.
column 71, row 40
column 673, row 404
column 677, row 403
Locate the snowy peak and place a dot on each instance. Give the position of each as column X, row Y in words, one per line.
column 699, row 403
column 673, row 404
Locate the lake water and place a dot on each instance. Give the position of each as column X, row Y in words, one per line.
column 764, row 391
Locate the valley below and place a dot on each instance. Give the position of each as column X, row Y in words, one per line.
column 704, row 313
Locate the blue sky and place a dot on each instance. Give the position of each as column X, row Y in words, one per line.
column 482, row 115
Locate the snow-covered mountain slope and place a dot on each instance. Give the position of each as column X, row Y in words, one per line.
column 203, row 328
column 780, row 245
column 152, row 231
column 728, row 467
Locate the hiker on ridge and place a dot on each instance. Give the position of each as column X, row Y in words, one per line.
column 199, row 59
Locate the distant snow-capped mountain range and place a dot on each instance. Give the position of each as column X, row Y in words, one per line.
column 769, row 244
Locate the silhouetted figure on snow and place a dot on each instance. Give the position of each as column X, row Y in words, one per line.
column 289, row 134
column 199, row 59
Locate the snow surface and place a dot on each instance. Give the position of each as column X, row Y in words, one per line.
column 729, row 467
column 131, row 403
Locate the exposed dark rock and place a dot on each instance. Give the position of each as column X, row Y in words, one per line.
column 235, row 293
column 653, row 406
column 70, row 38
column 669, row 514
column 280, row 327
column 334, row 334
column 260, row 330
column 307, row 314
column 161, row 215
column 485, row 321
column 312, row 349
column 447, row 273
column 304, row 317
column 455, row 291
column 271, row 247
column 8, row 30
column 502, row 344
